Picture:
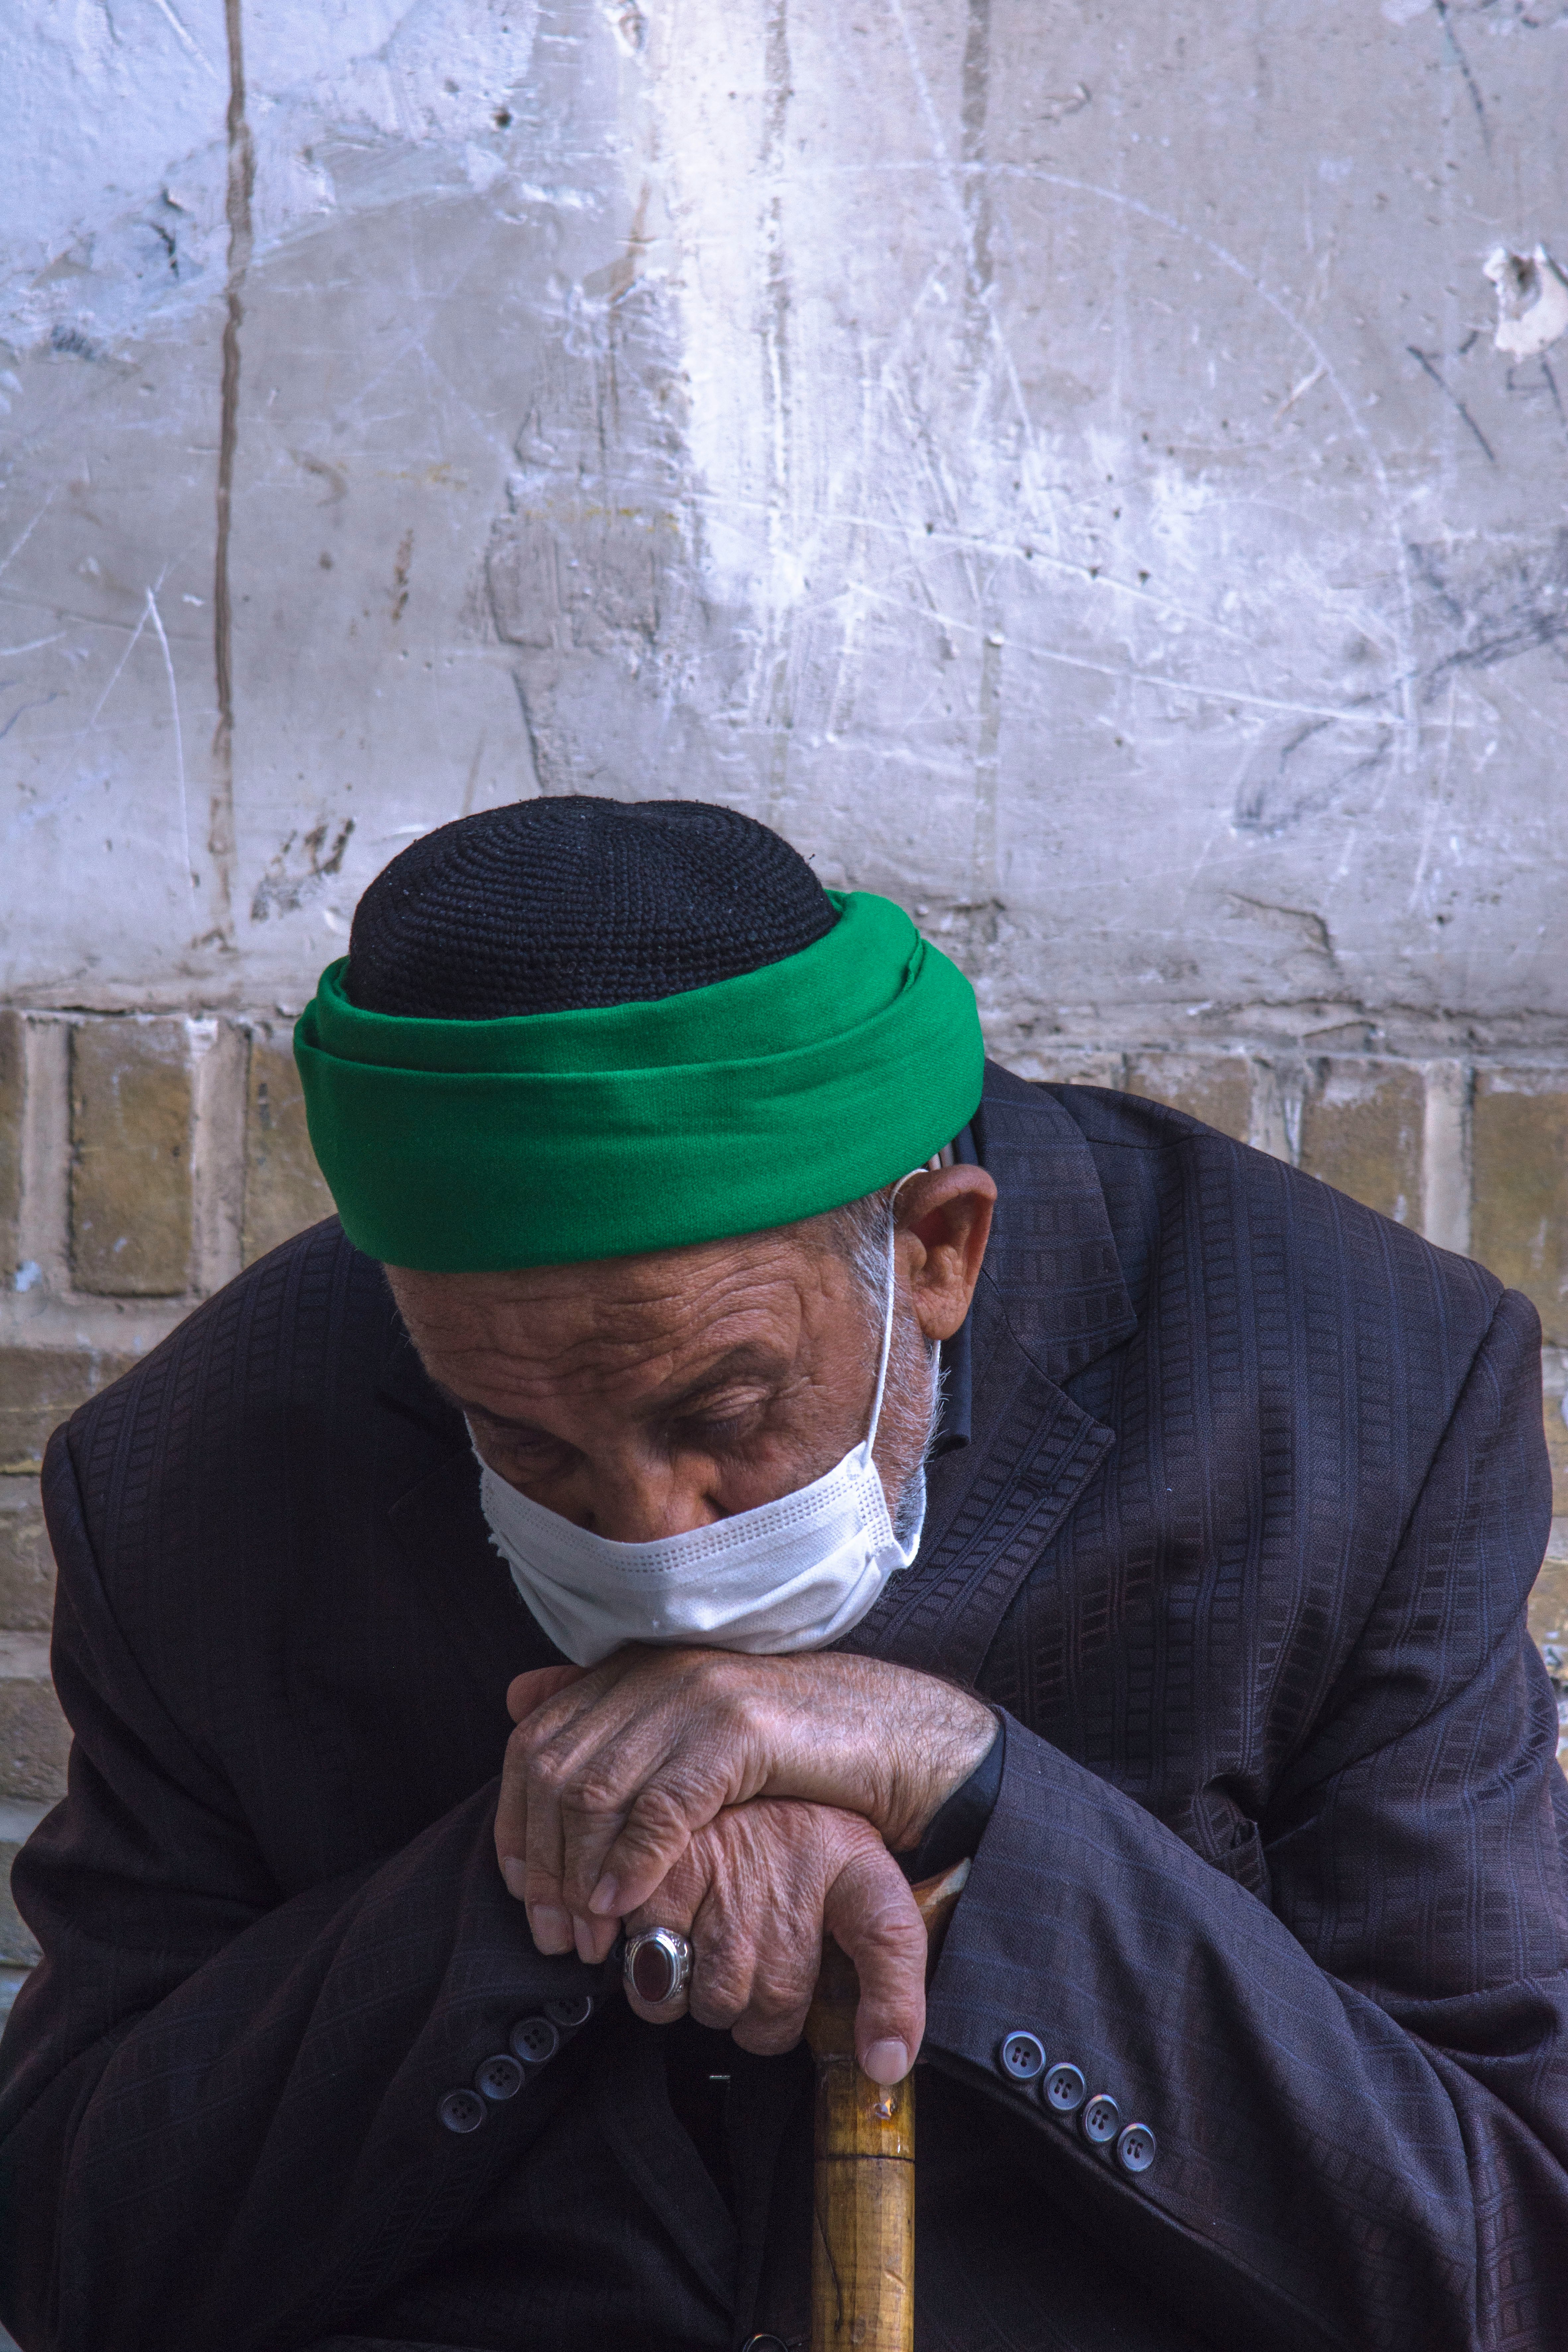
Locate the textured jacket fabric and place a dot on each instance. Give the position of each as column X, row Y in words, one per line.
column 1242, row 1543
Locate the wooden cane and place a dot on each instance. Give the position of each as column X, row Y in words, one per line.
column 863, row 2230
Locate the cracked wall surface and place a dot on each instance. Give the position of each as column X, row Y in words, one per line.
column 1097, row 473
column 1057, row 463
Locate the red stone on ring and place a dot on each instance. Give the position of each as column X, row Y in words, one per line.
column 653, row 1974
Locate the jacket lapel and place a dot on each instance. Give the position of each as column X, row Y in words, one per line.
column 1051, row 1299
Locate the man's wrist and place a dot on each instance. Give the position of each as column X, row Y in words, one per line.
column 955, row 1829
column 962, row 1750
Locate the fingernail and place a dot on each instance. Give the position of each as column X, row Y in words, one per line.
column 582, row 1931
column 886, row 2062
column 511, row 1870
column 552, row 1929
column 605, row 1899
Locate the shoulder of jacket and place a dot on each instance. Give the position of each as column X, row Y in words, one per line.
column 1305, row 1216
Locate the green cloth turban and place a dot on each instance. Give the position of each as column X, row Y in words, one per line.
column 467, row 1146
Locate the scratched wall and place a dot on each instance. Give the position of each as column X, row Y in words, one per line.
column 1056, row 460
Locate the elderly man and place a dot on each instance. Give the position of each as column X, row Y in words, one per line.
column 734, row 1454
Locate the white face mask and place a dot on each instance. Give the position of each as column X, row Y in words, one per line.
column 794, row 1574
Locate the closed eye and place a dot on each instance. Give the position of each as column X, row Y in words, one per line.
column 723, row 1422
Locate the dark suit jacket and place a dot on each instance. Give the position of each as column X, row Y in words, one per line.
column 1242, row 1543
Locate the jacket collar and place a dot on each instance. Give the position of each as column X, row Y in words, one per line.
column 1051, row 1265
column 1051, row 1301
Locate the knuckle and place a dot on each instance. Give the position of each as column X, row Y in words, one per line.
column 548, row 1774
column 894, row 1951
column 779, row 1995
column 895, row 1930
column 531, row 1735
column 717, row 2006
column 721, row 1984
column 591, row 1796
column 659, row 1815
column 659, row 1810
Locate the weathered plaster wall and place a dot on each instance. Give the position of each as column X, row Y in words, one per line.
column 1053, row 459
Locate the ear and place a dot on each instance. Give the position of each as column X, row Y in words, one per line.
column 944, row 1222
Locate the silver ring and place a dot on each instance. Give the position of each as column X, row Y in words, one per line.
column 657, row 1965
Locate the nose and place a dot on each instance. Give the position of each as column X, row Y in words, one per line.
column 640, row 1500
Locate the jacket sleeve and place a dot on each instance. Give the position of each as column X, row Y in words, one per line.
column 1358, row 2088
column 190, row 2032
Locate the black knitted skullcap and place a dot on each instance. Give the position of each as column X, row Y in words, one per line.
column 552, row 906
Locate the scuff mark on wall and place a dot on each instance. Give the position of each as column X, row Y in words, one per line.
column 291, row 883
column 334, row 478
column 1303, row 774
column 1430, row 364
column 405, row 557
column 1472, row 87
column 1489, row 603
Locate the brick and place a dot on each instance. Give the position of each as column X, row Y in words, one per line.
column 1362, row 1131
column 26, row 1563
column 284, row 1190
column 18, row 1947
column 131, row 1173
column 1519, row 1218
column 34, row 1736
column 1214, row 1087
column 1068, row 1065
column 1557, row 1453
column 12, row 1094
column 40, row 1387
column 1549, row 1600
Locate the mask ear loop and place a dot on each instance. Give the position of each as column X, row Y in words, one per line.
column 888, row 1309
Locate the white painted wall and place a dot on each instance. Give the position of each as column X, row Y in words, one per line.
column 1054, row 459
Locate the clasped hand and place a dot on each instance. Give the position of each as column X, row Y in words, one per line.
column 753, row 1803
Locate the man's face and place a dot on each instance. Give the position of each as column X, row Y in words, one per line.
column 645, row 1396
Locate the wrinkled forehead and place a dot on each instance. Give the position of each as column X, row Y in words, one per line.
column 644, row 1317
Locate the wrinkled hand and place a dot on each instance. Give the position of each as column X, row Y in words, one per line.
column 613, row 1770
column 755, row 1891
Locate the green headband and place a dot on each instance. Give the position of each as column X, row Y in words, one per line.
column 461, row 1147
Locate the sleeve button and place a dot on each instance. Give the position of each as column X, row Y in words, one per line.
column 570, row 2009
column 1099, row 2120
column 534, row 2039
column 498, row 2078
column 461, row 2111
column 1136, row 2148
column 1065, row 2089
column 1020, row 2056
